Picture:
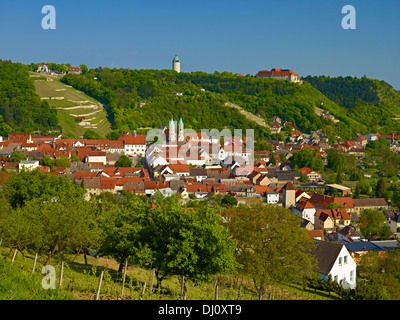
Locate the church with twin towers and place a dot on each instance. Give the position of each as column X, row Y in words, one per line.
column 174, row 134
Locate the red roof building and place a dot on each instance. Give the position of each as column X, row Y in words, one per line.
column 279, row 74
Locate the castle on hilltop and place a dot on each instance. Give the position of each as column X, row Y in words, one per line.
column 280, row 74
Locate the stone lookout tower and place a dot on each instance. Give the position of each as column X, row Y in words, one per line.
column 176, row 64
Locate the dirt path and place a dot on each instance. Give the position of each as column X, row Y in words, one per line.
column 248, row 115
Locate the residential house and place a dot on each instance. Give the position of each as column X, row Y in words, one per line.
column 324, row 222
column 358, row 248
column 92, row 184
column 200, row 191
column 344, row 191
column 152, row 186
column 134, row 145
column 313, row 176
column 338, row 215
column 96, row 157
column 322, row 202
column 371, row 203
column 28, row 165
column 305, row 209
column 199, row 174
column 349, row 233
column 335, row 260
column 393, row 220
column 75, row 70
column 317, row 235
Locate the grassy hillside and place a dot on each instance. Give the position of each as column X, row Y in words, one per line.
column 80, row 282
column 71, row 104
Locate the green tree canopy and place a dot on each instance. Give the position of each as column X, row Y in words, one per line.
column 124, row 161
column 193, row 244
column 265, row 249
column 16, row 156
column 28, row 185
column 373, row 224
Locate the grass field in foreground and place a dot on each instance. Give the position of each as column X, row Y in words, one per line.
column 80, row 282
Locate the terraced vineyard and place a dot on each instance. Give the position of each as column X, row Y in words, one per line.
column 76, row 111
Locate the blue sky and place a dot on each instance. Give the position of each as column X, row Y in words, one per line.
column 237, row 36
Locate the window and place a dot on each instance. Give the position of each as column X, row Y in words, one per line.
column 335, row 278
column 351, row 276
column 345, row 259
column 340, row 261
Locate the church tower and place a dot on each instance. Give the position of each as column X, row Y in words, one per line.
column 176, row 64
column 172, row 131
column 181, row 136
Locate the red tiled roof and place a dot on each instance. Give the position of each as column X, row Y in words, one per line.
column 316, row 234
column 140, row 139
column 275, row 72
column 335, row 214
column 305, row 170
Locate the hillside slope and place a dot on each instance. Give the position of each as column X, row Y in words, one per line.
column 76, row 111
column 374, row 103
column 21, row 109
column 148, row 98
column 290, row 101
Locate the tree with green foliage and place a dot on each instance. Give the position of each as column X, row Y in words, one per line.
column 336, row 160
column 91, row 134
column 62, row 161
column 373, row 224
column 193, row 244
column 84, row 68
column 16, row 156
column 306, row 158
column 21, row 109
column 229, row 201
column 75, row 158
column 123, row 161
column 380, row 188
column 113, row 135
column 28, row 185
column 267, row 254
column 43, row 213
column 47, row 161
column 120, row 224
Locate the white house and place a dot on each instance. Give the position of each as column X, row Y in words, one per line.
column 28, row 165
column 305, row 209
column 272, row 197
column 335, row 260
column 97, row 157
column 134, row 145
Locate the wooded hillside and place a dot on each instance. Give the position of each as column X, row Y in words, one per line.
column 21, row 109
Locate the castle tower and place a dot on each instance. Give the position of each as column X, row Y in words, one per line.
column 181, row 136
column 176, row 64
column 172, row 131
